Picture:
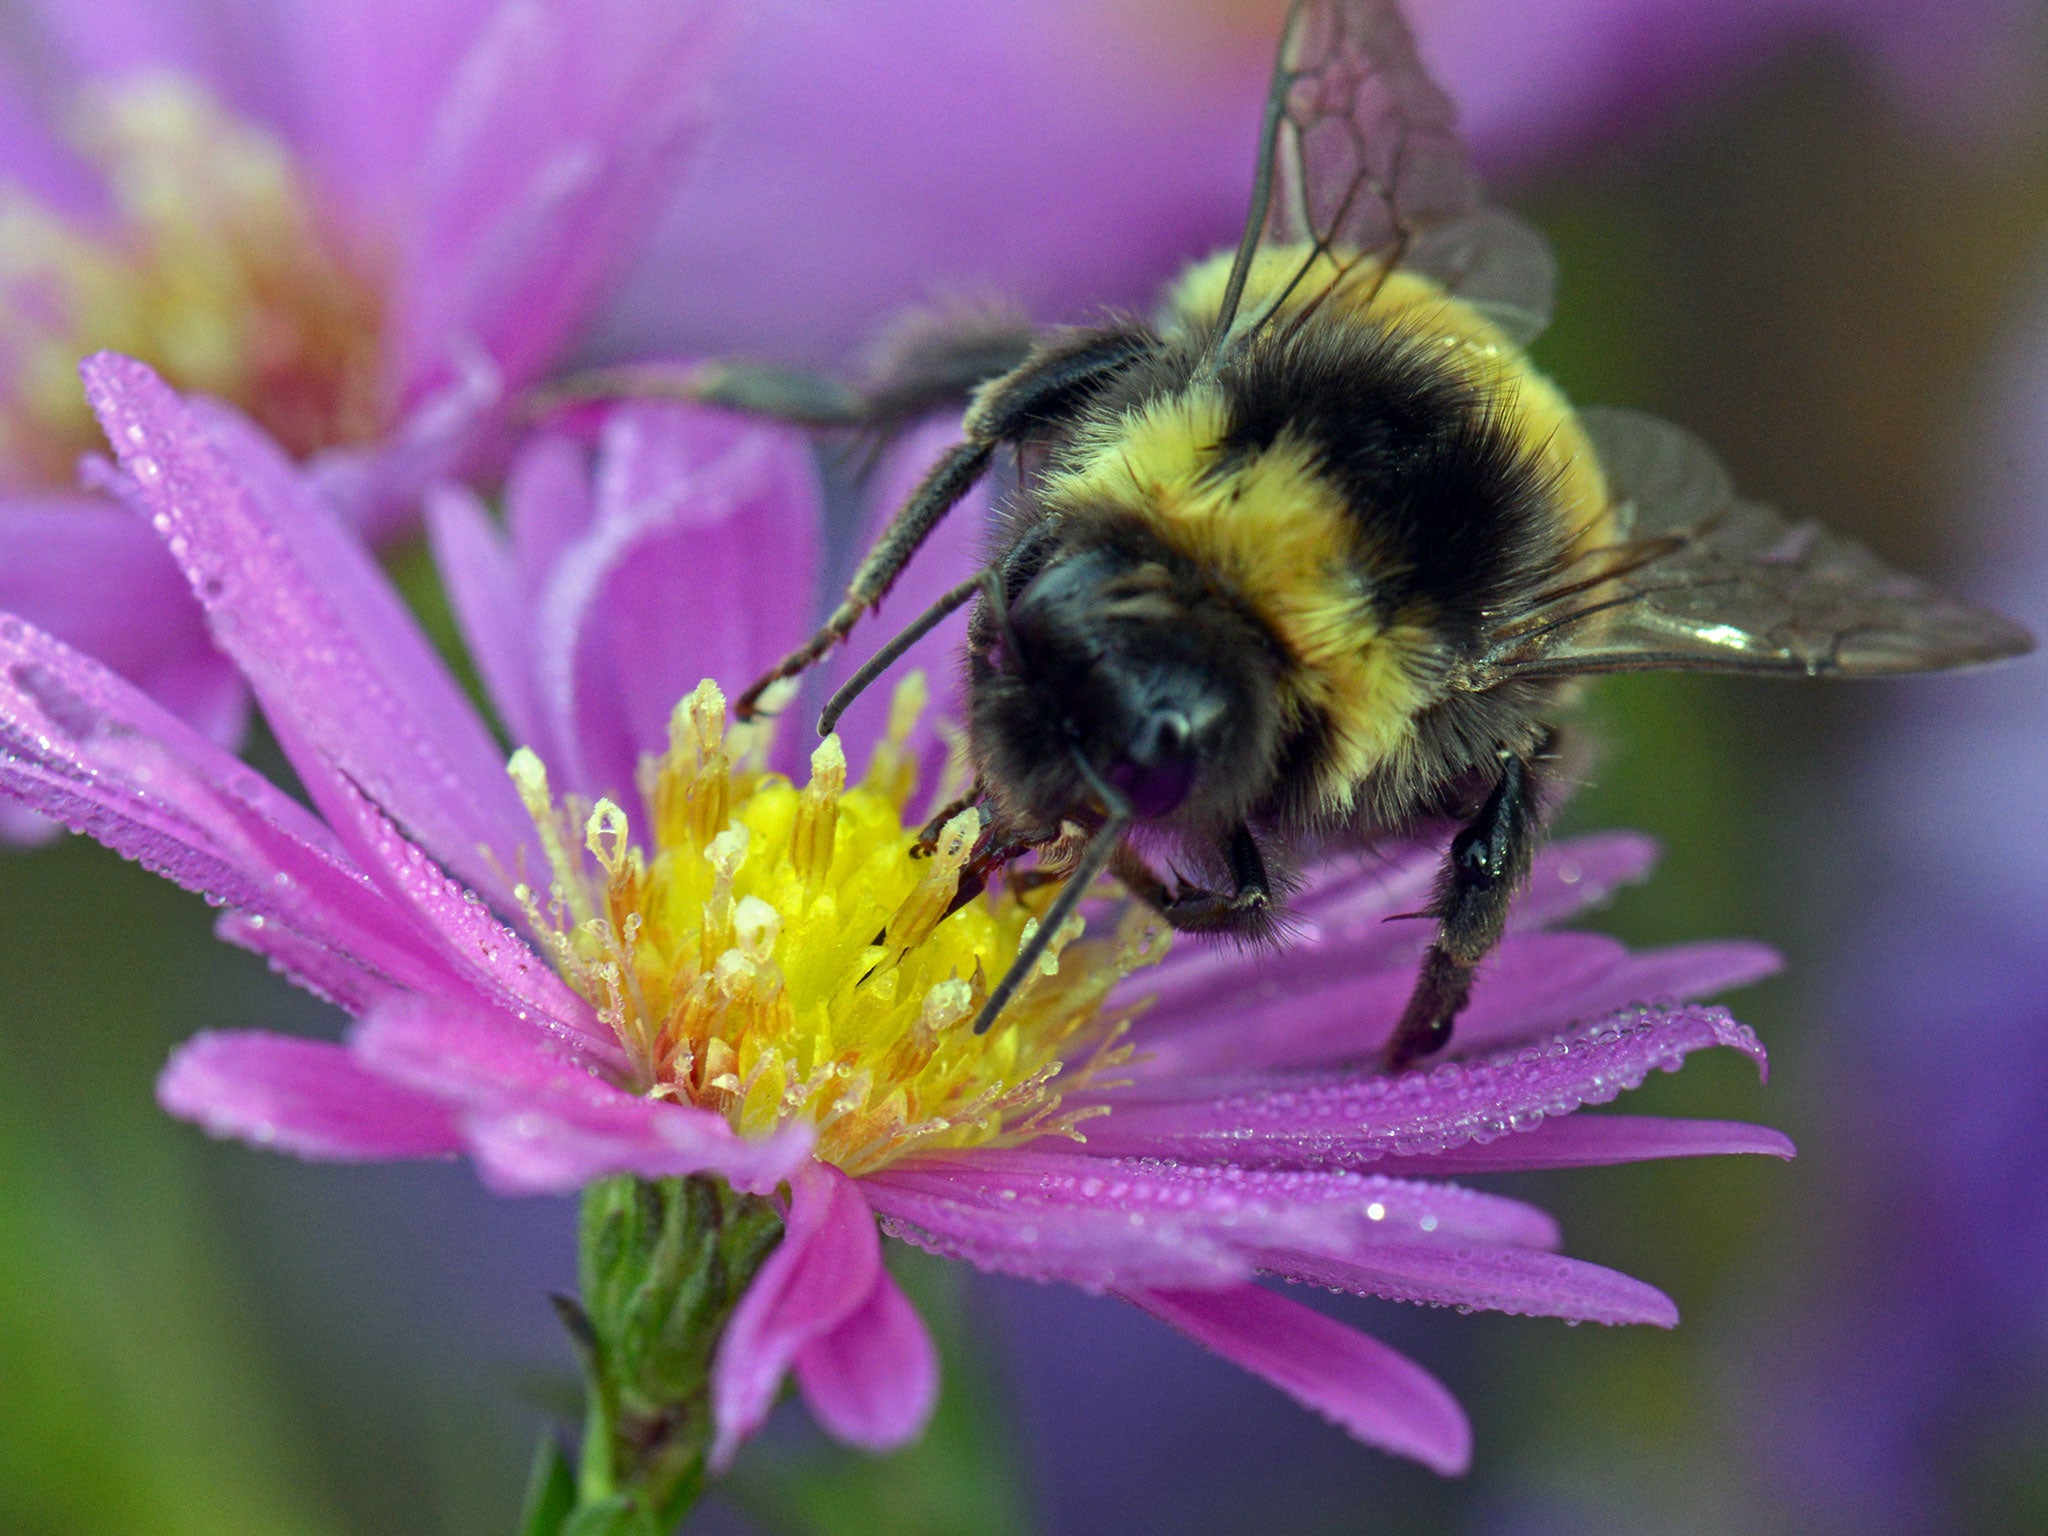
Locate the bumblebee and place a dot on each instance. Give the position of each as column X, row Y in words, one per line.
column 1316, row 553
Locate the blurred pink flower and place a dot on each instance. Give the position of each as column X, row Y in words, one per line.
column 1225, row 1136
column 364, row 223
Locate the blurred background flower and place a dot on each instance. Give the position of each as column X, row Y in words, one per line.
column 366, row 224
column 1800, row 228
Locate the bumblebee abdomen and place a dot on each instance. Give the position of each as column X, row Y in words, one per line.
column 1371, row 478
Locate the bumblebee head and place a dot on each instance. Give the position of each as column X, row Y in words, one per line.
column 1133, row 663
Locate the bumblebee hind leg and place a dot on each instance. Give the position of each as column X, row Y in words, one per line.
column 1487, row 862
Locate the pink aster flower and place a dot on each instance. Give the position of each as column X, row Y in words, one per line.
column 364, row 224
column 642, row 951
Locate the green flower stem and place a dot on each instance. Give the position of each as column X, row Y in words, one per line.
column 662, row 1263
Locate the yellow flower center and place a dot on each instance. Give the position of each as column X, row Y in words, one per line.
column 780, row 954
column 215, row 267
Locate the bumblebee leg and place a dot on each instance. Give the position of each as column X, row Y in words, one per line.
column 1488, row 859
column 1245, row 910
column 1045, row 388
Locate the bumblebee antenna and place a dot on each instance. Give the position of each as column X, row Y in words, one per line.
column 1094, row 859
column 902, row 641
column 1262, row 187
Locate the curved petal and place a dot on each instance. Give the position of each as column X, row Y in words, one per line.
column 482, row 583
column 826, row 1268
column 301, row 1096
column 85, row 748
column 339, row 664
column 1345, row 1122
column 1374, row 1393
column 701, row 563
column 874, row 1380
column 539, row 1120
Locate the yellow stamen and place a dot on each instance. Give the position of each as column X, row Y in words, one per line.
column 780, row 954
column 216, row 267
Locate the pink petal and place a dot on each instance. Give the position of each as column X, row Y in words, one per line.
column 549, row 504
column 1330, row 1121
column 338, row 663
column 540, row 1120
column 1592, row 1141
column 1356, row 914
column 94, row 576
column 374, row 489
column 826, row 1268
column 1513, row 1280
column 1314, row 1010
column 85, row 748
column 1378, row 1396
column 701, row 563
column 874, row 1380
column 482, row 582
column 1336, row 1211
column 301, row 1096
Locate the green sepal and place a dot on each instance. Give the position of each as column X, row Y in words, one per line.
column 550, row 1491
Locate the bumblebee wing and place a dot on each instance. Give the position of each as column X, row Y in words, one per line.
column 1360, row 157
column 1705, row 581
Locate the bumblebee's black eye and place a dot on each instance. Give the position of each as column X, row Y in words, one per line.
column 1157, row 769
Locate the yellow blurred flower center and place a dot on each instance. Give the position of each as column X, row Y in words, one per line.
column 783, row 954
column 213, row 265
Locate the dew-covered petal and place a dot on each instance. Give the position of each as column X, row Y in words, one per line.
column 1314, row 1013
column 1598, row 1140
column 873, row 1381
column 701, row 563
column 1374, row 1393
column 336, row 660
column 1331, row 1210
column 826, row 1267
column 538, row 1119
column 1473, row 1276
column 87, row 749
column 89, row 573
column 951, row 553
column 1336, row 1121
column 305, row 1097
column 545, row 167
column 1095, row 1249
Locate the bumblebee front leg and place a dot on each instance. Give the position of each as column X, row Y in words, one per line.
column 1045, row 389
column 1488, row 860
column 1245, row 911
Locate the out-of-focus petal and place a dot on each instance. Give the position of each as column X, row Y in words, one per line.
column 301, row 1096
column 549, row 504
column 538, row 1120
column 547, row 162
column 1373, row 1392
column 822, row 1274
column 874, row 1380
column 340, row 666
column 1593, row 1141
column 1340, row 1122
column 701, row 563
